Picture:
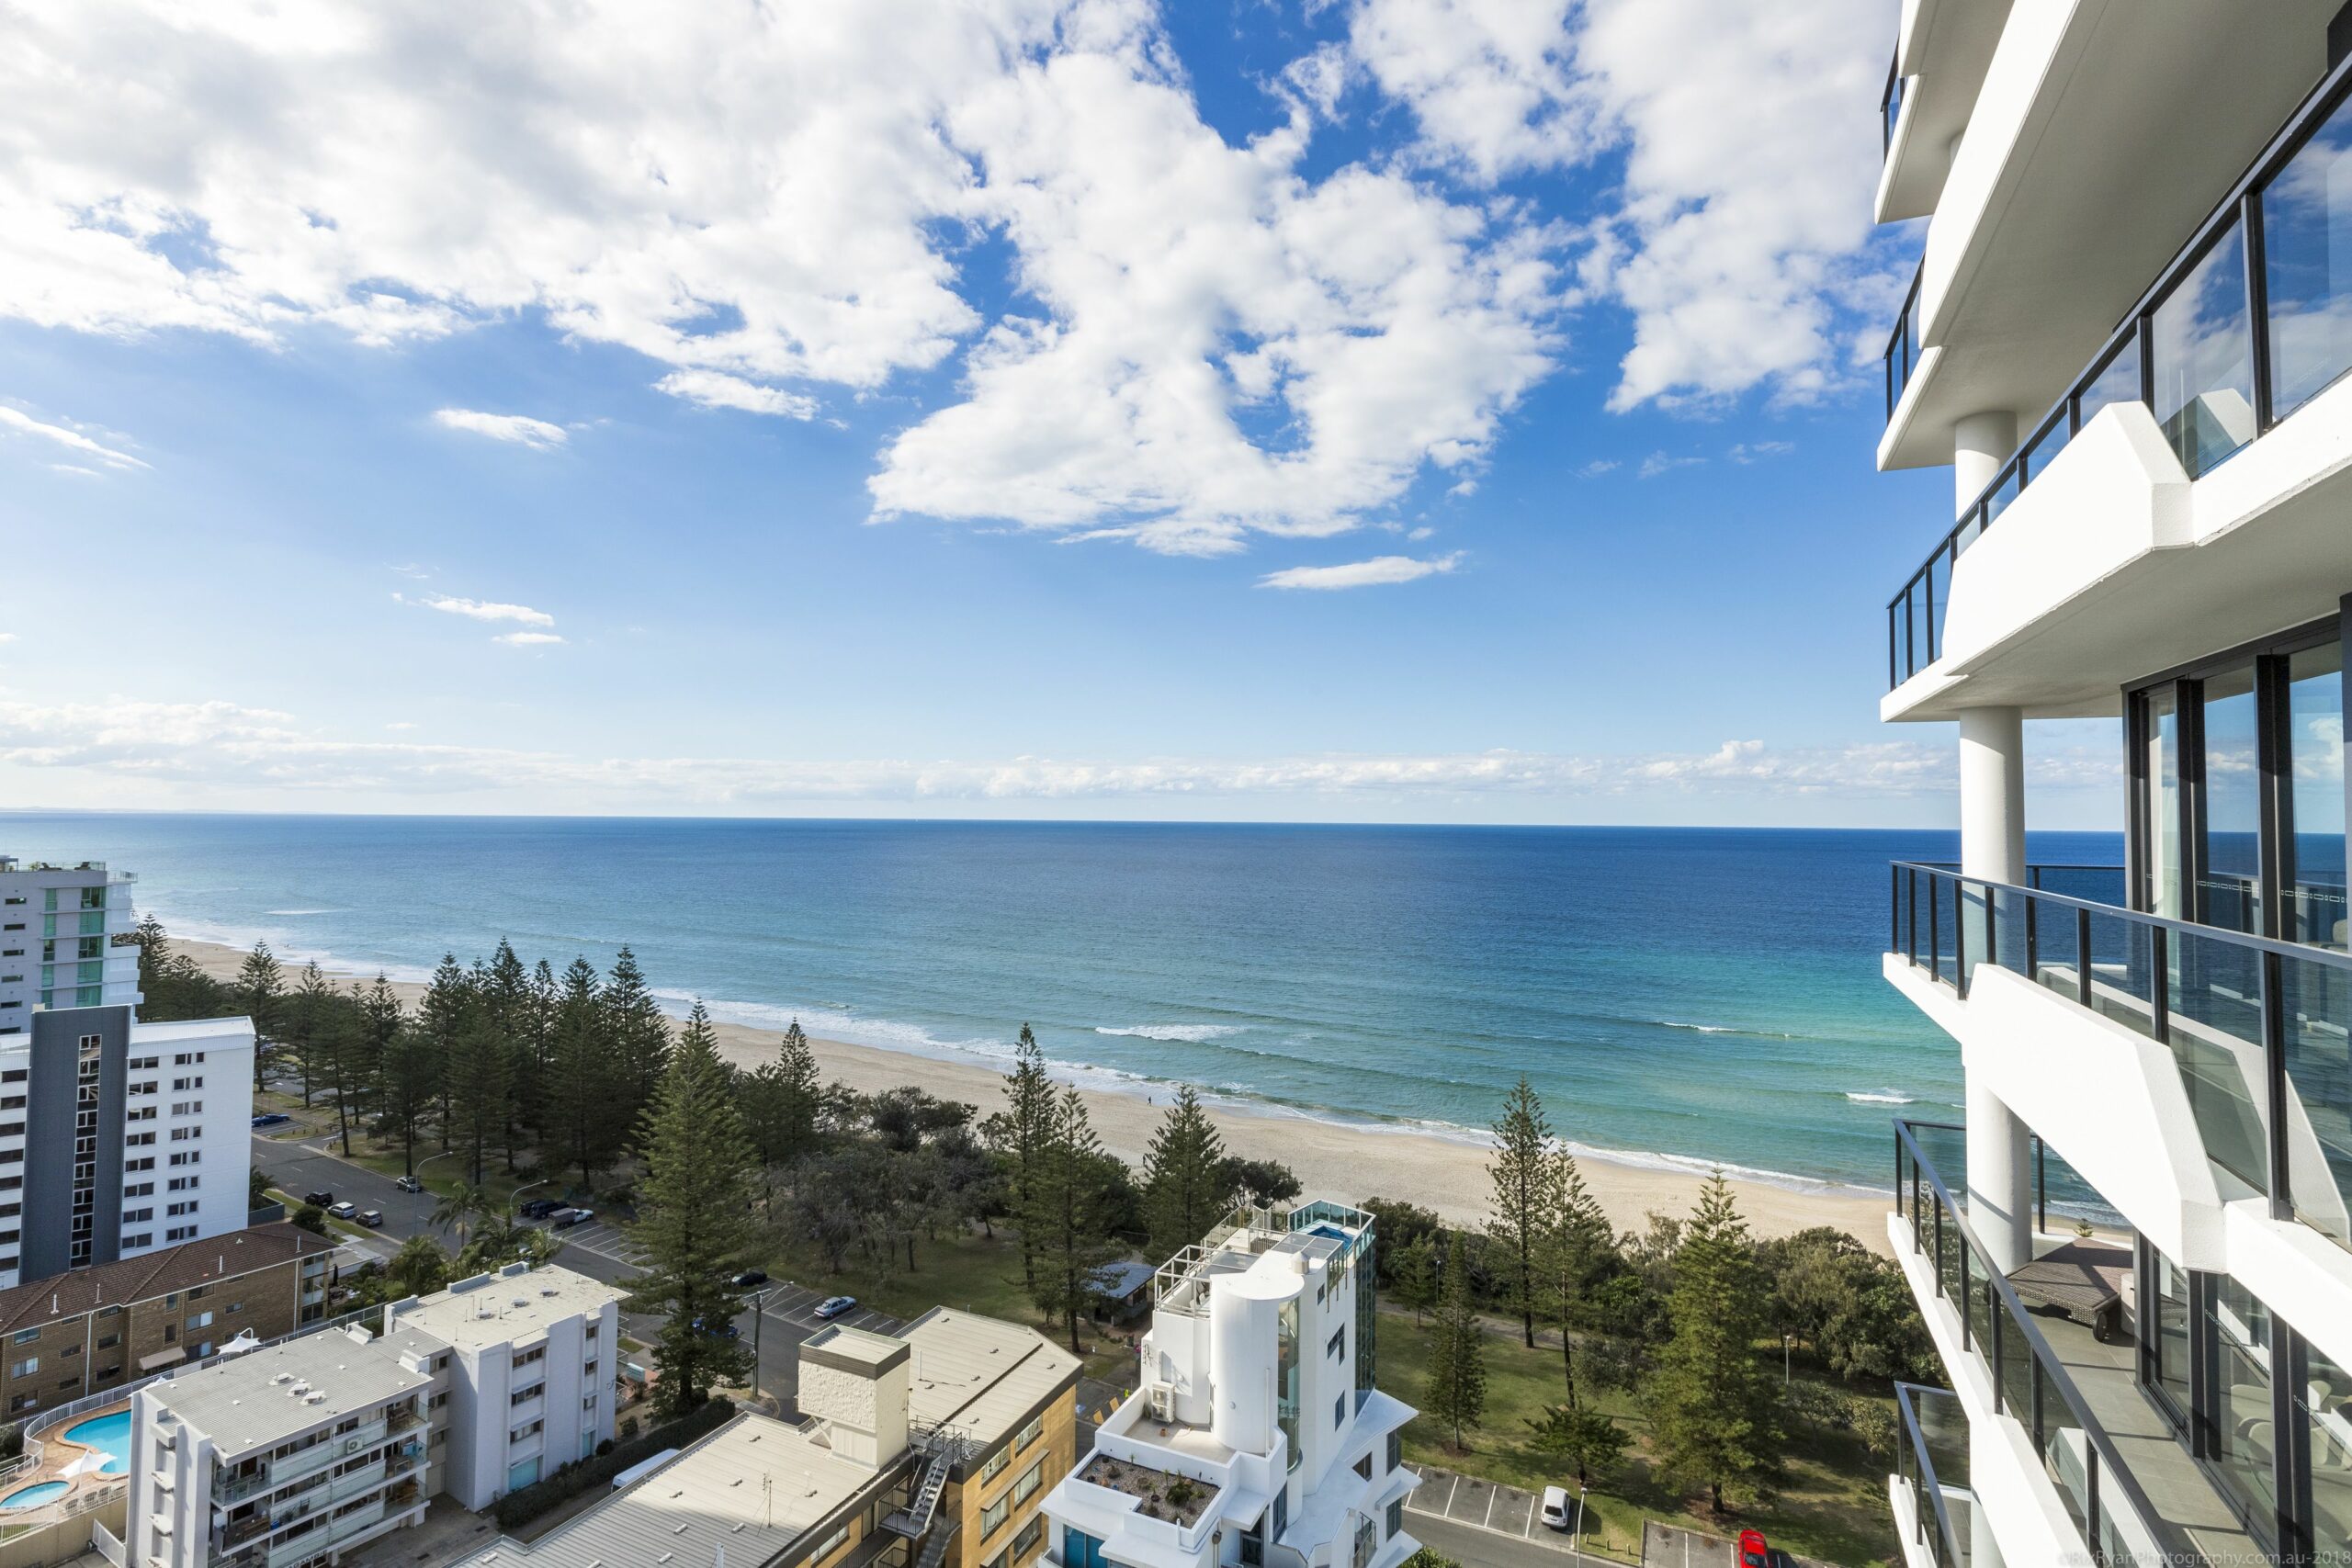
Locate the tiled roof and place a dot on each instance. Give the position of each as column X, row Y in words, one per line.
column 153, row 1274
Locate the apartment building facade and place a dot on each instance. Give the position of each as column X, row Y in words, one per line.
column 88, row 1330
column 58, row 926
column 2129, row 335
column 1257, row 1436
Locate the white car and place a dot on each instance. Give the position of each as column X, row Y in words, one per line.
column 343, row 1211
column 1555, row 1509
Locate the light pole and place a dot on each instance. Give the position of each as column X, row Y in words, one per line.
column 1576, row 1535
column 759, row 1313
column 514, row 1209
column 1787, row 1377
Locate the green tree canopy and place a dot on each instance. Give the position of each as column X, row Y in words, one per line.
column 1184, row 1186
column 1714, row 1404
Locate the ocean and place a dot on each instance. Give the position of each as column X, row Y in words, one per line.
column 1679, row 997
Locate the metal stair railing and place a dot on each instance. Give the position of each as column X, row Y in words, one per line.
column 934, row 1550
column 943, row 1450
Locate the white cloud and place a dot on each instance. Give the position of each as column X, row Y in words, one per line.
column 1659, row 463
column 7, row 636
column 1741, row 239
column 1360, row 575
column 1598, row 467
column 480, row 609
column 527, row 639
column 716, row 389
column 23, row 423
column 1747, row 452
column 521, row 429
column 165, row 749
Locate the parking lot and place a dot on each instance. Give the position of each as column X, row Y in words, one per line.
column 1466, row 1499
column 783, row 1301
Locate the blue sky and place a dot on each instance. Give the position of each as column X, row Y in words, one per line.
column 815, row 421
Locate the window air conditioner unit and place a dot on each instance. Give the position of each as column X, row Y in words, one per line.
column 1163, row 1402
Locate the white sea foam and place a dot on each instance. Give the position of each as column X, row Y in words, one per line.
column 1182, row 1034
column 301, row 911
column 290, row 949
column 1882, row 1097
column 1701, row 1028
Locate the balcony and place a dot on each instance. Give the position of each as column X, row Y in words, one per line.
column 1933, row 1509
column 2258, row 1030
column 2250, row 320
column 2129, row 1491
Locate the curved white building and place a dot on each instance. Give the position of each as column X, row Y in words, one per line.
column 1256, row 1437
column 2128, row 336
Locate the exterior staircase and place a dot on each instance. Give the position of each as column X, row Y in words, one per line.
column 941, row 1450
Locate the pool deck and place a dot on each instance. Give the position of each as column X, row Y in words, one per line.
column 59, row 1454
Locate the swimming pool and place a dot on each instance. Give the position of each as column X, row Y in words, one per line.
column 34, row 1496
column 110, row 1435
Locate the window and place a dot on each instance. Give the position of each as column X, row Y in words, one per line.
column 25, row 1336
column 1396, row 1520
column 25, row 1368
column 993, row 1517
column 1364, row 1467
column 832, row 1543
column 1031, row 1433
column 525, row 1395
column 1081, row 1549
column 527, row 1429
column 1026, row 1487
column 996, row 1463
column 1031, row 1534
column 1396, row 1449
column 1339, row 1412
column 1337, row 1348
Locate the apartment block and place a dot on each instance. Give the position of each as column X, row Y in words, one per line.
column 1257, row 1435
column 83, row 1332
column 57, row 950
column 524, row 1363
column 2128, row 336
column 928, row 1449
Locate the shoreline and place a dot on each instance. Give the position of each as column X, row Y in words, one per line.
column 1446, row 1173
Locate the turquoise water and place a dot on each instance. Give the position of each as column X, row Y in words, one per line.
column 34, row 1496
column 110, row 1435
column 1679, row 997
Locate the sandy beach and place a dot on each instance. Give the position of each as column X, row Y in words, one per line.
column 1332, row 1161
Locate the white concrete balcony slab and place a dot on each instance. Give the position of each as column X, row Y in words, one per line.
column 2103, row 134
column 1944, row 47
column 2113, row 564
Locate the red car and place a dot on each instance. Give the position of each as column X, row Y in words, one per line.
column 1752, row 1552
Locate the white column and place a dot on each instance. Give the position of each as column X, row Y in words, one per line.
column 1983, row 1546
column 2000, row 1179
column 1992, row 793
column 1981, row 443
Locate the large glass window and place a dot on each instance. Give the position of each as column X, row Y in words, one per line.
column 2163, row 888
column 2315, row 909
column 2307, row 265
column 2230, row 869
column 2117, row 381
column 2200, row 351
column 2171, row 1335
column 2247, row 1441
column 2324, row 1403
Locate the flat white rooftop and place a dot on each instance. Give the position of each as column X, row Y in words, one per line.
column 979, row 1375
column 749, row 1490
column 494, row 1309
column 196, row 1029
column 260, row 1400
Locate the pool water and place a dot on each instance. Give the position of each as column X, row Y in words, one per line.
column 110, row 1435
column 33, row 1497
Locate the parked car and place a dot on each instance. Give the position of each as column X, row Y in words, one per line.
column 565, row 1219
column 540, row 1208
column 1555, row 1508
column 718, row 1330
column 1752, row 1552
column 318, row 1200
column 834, row 1306
column 342, row 1210
column 749, row 1278
column 408, row 1184
column 372, row 1218
column 272, row 1119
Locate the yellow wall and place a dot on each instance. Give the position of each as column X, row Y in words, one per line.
column 1057, row 1446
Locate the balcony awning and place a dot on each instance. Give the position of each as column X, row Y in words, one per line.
column 172, row 1357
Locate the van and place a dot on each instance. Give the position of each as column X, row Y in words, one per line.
column 1555, row 1509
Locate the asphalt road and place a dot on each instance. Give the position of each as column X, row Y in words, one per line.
column 596, row 1249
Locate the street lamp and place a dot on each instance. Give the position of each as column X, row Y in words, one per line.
column 513, row 1210
column 1576, row 1535
column 759, row 1315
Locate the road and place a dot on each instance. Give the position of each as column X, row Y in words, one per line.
column 596, row 1249
column 1481, row 1525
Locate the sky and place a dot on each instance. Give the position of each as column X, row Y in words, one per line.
column 1305, row 410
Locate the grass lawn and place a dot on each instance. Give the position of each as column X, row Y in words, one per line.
column 1831, row 1504
column 971, row 1272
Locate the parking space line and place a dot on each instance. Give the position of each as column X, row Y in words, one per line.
column 1487, row 1518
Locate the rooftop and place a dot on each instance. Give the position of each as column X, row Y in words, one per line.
column 980, row 1376
column 239, row 1028
column 40, row 1302
column 856, row 1349
column 750, row 1490
column 260, row 1400
column 492, row 1309
column 1158, row 1494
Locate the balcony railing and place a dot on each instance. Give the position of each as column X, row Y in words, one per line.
column 2110, row 1513
column 2261, row 1029
column 2250, row 320
column 1889, row 103
column 1903, row 344
column 1931, row 1459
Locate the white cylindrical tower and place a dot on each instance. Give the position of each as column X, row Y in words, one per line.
column 1244, row 1326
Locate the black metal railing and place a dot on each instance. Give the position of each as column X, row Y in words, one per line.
column 1890, row 104
column 2261, row 1029
column 2246, row 323
column 2031, row 1383
column 1903, row 344
column 1931, row 1457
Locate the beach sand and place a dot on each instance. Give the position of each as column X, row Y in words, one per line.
column 1348, row 1163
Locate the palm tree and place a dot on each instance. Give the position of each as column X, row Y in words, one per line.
column 467, row 1207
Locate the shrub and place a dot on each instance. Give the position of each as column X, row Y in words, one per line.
column 312, row 1218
